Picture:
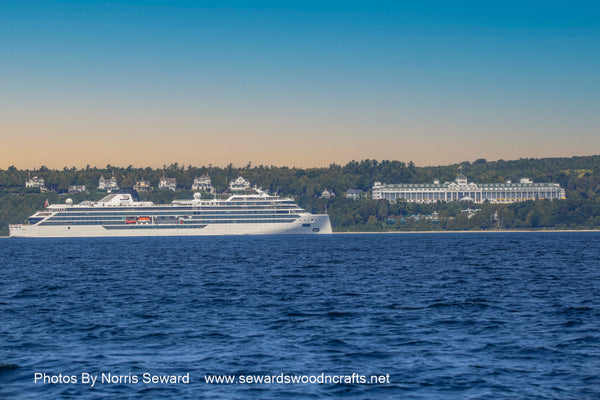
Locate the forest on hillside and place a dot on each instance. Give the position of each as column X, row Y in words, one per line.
column 580, row 176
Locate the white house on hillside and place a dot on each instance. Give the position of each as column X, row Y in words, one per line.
column 35, row 182
column 108, row 184
column 239, row 184
column 167, row 183
column 327, row 193
column 202, row 183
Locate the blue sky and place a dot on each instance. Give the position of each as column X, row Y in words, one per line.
column 296, row 83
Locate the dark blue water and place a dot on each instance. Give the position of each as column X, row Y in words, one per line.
column 447, row 316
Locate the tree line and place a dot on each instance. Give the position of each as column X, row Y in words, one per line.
column 580, row 176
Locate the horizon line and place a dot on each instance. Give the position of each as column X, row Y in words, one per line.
column 253, row 166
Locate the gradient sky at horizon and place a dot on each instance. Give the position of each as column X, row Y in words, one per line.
column 304, row 83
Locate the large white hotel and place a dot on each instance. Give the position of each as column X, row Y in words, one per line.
column 461, row 190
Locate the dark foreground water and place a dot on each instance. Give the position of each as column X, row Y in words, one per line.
column 447, row 316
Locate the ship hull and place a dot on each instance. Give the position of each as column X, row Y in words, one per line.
column 320, row 224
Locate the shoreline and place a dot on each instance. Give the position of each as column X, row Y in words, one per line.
column 446, row 232
column 477, row 231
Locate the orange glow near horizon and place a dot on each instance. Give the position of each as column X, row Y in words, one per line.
column 154, row 144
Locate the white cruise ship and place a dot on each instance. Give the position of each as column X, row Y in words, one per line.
column 121, row 214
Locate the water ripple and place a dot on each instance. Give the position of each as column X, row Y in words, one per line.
column 449, row 316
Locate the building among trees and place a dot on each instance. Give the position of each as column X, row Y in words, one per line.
column 167, row 183
column 327, row 194
column 35, row 182
column 108, row 184
column 142, row 185
column 77, row 189
column 462, row 190
column 239, row 184
column 202, row 183
column 354, row 194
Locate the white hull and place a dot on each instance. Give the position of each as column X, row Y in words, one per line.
column 321, row 225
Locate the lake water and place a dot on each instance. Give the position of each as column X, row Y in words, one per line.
column 429, row 316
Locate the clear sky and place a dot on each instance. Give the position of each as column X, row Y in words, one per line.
column 296, row 83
